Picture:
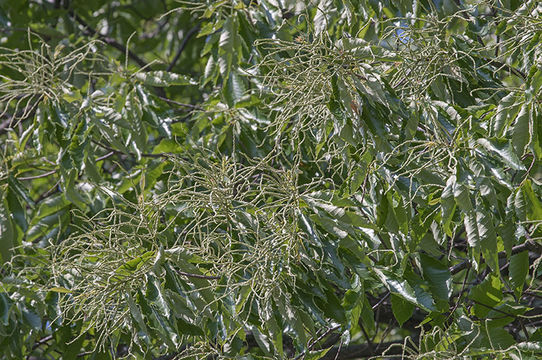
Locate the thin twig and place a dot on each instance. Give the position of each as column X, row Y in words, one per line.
column 375, row 306
column 366, row 335
column 114, row 43
column 461, row 292
column 187, row 37
column 316, row 341
column 195, row 107
column 159, row 155
column 41, row 341
column 109, row 154
column 357, row 351
column 27, row 112
column 38, row 176
column 106, row 39
column 53, row 190
column 528, row 245
column 510, row 68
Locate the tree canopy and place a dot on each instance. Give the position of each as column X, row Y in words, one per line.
column 270, row 179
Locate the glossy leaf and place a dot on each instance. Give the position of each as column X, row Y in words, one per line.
column 163, row 79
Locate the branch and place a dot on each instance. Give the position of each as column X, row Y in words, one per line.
column 166, row 357
column 4, row 125
column 381, row 301
column 106, row 39
column 38, row 176
column 53, row 190
column 41, row 341
column 510, row 68
column 190, row 106
column 460, row 292
column 516, row 317
column 108, row 155
column 26, row 113
column 187, row 37
column 331, row 329
column 159, row 155
column 529, row 245
column 364, row 351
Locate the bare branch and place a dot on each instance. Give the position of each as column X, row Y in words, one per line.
column 187, row 37
column 529, row 245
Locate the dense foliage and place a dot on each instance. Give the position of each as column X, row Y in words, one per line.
column 270, row 179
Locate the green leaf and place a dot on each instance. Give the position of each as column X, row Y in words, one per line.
column 488, row 239
column 18, row 212
column 522, row 133
column 330, row 225
column 263, row 341
column 438, row 276
column 20, row 191
column 530, row 346
column 520, row 205
column 46, row 30
column 497, row 339
column 210, row 27
column 52, row 205
column 210, row 70
column 506, row 231
column 482, row 237
column 402, row 309
column 59, row 289
column 367, row 316
column 44, row 226
column 471, row 228
column 506, row 112
column 167, row 146
column 159, row 325
column 155, row 297
column 315, row 355
column 404, row 290
column 354, row 219
column 357, row 179
column 228, row 46
column 7, row 234
column 536, row 81
column 163, row 79
column 461, row 195
column 534, row 210
column 350, row 299
column 487, row 294
column 519, row 269
column 134, row 112
column 448, row 205
column 70, row 191
column 4, row 308
column 189, row 328
column 69, row 341
column 92, row 171
column 332, row 306
column 132, row 265
column 233, row 89
column 291, row 317
column 504, row 150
